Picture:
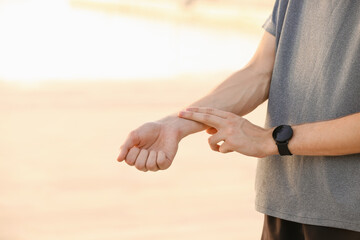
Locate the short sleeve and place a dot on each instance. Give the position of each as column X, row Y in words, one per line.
column 271, row 24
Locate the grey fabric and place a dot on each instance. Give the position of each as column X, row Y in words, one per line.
column 316, row 77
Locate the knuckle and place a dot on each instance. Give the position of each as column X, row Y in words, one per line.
column 231, row 115
column 209, row 110
column 206, row 116
column 188, row 114
column 133, row 134
column 230, row 131
column 231, row 121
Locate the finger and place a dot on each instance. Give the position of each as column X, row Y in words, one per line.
column 212, row 111
column 122, row 155
column 151, row 162
column 131, row 141
column 141, row 160
column 211, row 130
column 214, row 140
column 162, row 161
column 225, row 148
column 132, row 155
column 208, row 119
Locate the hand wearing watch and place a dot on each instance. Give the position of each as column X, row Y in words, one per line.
column 282, row 135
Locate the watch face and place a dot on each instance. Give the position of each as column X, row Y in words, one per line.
column 282, row 133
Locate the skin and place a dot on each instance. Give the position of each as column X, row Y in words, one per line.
column 335, row 137
column 153, row 146
column 237, row 133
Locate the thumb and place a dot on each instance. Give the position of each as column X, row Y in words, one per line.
column 225, row 148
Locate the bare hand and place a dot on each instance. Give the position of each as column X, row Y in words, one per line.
column 152, row 146
column 237, row 133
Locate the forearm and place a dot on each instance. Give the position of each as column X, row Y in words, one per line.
column 327, row 138
column 242, row 92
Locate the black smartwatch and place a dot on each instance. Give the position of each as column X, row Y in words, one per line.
column 282, row 135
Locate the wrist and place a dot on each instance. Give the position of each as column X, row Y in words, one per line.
column 183, row 127
column 270, row 147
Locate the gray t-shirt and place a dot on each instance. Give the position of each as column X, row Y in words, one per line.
column 316, row 77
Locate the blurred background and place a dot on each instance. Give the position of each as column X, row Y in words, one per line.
column 76, row 76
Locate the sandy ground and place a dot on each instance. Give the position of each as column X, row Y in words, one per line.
column 59, row 178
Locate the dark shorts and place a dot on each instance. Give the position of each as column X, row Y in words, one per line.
column 279, row 229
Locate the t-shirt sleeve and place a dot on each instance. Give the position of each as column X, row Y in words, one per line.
column 270, row 24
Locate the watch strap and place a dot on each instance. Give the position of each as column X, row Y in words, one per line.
column 283, row 148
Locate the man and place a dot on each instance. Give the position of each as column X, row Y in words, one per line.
column 308, row 66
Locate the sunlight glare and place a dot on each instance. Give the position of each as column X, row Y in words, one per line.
column 48, row 40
